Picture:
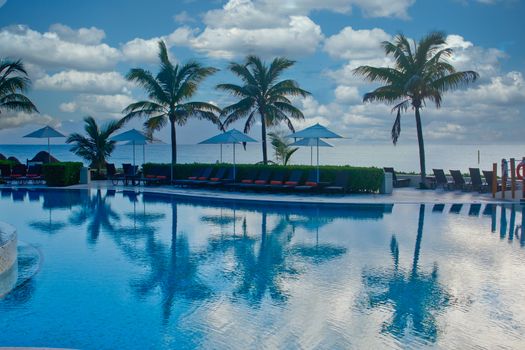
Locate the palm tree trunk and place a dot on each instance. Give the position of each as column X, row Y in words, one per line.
column 173, row 146
column 421, row 149
column 263, row 138
column 417, row 248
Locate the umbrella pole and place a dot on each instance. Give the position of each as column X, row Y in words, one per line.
column 311, row 155
column 144, row 154
column 317, row 159
column 133, row 157
column 221, row 152
column 48, row 151
column 234, row 170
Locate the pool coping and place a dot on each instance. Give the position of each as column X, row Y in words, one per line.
column 399, row 196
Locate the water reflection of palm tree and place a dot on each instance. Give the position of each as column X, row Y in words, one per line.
column 97, row 211
column 415, row 296
column 173, row 270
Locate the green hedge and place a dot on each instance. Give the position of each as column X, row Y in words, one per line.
column 62, row 174
column 7, row 162
column 361, row 179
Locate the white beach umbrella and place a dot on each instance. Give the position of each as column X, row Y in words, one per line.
column 233, row 137
column 311, row 142
column 46, row 132
column 316, row 132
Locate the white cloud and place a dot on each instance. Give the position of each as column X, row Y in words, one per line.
column 184, row 17
column 347, row 94
column 73, row 80
column 12, row 120
column 86, row 36
column 49, row 50
column 300, row 37
column 356, row 44
column 100, row 106
column 147, row 50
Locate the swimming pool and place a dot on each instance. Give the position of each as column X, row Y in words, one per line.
column 121, row 270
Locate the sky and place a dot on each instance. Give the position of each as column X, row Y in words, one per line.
column 77, row 54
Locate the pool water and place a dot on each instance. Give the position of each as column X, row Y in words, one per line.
column 126, row 270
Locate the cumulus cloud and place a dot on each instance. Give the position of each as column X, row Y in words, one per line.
column 356, row 44
column 100, row 106
column 86, row 36
column 50, row 50
column 73, row 80
column 12, row 120
column 301, row 36
column 184, row 17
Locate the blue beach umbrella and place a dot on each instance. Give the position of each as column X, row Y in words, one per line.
column 232, row 136
column 311, row 142
column 46, row 132
column 316, row 132
column 134, row 136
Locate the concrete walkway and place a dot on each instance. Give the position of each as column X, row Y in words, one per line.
column 400, row 195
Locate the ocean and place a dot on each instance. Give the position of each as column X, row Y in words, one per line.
column 402, row 157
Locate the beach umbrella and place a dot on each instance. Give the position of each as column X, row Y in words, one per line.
column 134, row 137
column 316, row 132
column 232, row 136
column 46, row 132
column 311, row 142
column 144, row 143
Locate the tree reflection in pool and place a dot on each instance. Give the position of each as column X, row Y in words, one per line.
column 141, row 270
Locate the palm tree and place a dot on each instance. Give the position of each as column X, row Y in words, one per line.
column 281, row 146
column 262, row 95
column 96, row 146
column 14, row 81
column 168, row 93
column 422, row 72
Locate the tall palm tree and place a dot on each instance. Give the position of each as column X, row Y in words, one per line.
column 168, row 93
column 262, row 95
column 96, row 146
column 14, row 81
column 421, row 72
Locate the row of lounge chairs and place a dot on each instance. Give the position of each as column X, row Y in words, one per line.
column 22, row 174
column 458, row 182
column 265, row 180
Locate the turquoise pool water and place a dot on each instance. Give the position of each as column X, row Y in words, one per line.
column 143, row 271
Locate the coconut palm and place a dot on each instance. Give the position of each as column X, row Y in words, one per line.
column 262, row 95
column 96, row 146
column 421, row 72
column 168, row 94
column 281, row 147
column 14, row 81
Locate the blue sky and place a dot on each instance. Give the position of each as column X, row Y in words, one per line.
column 77, row 53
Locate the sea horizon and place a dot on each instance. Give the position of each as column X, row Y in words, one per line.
column 403, row 157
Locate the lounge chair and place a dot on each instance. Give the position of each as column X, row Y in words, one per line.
column 441, row 179
column 293, row 180
column 459, row 181
column 340, row 184
column 157, row 175
column 34, row 173
column 476, row 182
column 131, row 174
column 18, row 173
column 203, row 178
column 311, row 183
column 397, row 182
column 194, row 176
column 249, row 178
column 113, row 175
column 277, row 181
column 5, row 172
column 225, row 178
column 260, row 182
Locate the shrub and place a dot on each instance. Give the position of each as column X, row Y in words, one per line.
column 62, row 174
column 360, row 179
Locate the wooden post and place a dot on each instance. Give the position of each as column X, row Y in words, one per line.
column 503, row 178
column 523, row 190
column 494, row 179
column 513, row 177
